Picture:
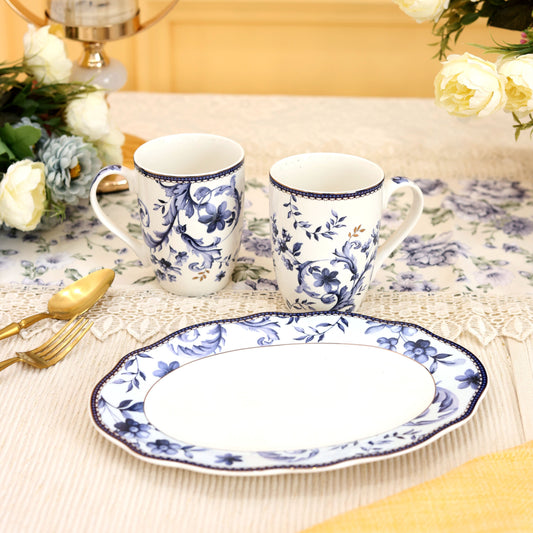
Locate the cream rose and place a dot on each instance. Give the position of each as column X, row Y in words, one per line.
column 23, row 195
column 469, row 86
column 109, row 147
column 88, row 116
column 423, row 10
column 45, row 56
column 518, row 73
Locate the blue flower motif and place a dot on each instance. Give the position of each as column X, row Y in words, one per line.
column 325, row 278
column 164, row 369
column 399, row 179
column 516, row 226
column 430, row 187
column 471, row 208
column 469, row 379
column 260, row 247
column 163, row 446
column 499, row 190
column 411, row 282
column 228, row 459
column 439, row 251
column 132, row 429
column 216, row 217
column 406, row 331
column 513, row 248
column 388, row 343
column 420, row 350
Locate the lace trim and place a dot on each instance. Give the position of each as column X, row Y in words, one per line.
column 147, row 315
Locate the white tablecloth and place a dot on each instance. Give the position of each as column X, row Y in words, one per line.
column 466, row 273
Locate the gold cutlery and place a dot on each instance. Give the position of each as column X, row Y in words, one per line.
column 69, row 302
column 54, row 349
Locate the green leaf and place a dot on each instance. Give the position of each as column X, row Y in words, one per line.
column 244, row 271
column 144, row 280
column 20, row 140
column 259, row 226
column 73, row 274
column 6, row 152
column 469, row 18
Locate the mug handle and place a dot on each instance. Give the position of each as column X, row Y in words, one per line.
column 390, row 187
column 131, row 176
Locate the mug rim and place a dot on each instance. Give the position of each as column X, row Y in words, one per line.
column 314, row 193
column 199, row 176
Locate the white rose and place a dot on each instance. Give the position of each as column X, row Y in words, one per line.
column 423, row 10
column 109, row 147
column 23, row 195
column 88, row 116
column 45, row 56
column 469, row 86
column 518, row 73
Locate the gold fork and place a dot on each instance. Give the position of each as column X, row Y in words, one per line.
column 54, row 349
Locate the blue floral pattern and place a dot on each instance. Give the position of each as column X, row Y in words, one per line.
column 117, row 401
column 473, row 236
column 334, row 283
column 217, row 210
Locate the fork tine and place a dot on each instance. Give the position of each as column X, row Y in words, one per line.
column 50, row 342
column 66, row 346
column 63, row 340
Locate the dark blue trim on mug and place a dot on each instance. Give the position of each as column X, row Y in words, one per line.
column 193, row 178
column 327, row 195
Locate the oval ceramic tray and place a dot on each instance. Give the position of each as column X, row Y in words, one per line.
column 287, row 392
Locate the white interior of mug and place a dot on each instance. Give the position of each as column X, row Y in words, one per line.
column 188, row 154
column 326, row 173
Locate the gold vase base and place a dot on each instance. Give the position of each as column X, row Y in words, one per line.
column 116, row 182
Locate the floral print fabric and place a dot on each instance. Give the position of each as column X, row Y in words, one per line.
column 474, row 235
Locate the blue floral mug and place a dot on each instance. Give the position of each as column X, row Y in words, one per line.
column 325, row 216
column 190, row 190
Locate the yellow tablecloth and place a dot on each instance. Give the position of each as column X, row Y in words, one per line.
column 490, row 494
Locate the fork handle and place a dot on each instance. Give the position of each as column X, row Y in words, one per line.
column 8, row 362
column 15, row 327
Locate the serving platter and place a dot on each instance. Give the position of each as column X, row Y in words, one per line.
column 282, row 392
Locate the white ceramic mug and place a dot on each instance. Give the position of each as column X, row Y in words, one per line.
column 190, row 190
column 325, row 214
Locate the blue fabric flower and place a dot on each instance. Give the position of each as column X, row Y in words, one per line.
column 70, row 166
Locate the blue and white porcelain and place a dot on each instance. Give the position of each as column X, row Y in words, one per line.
column 282, row 392
column 325, row 216
column 190, row 190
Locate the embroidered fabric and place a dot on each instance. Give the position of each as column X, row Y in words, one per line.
column 147, row 315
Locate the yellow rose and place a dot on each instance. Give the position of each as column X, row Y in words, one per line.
column 469, row 86
column 518, row 73
column 44, row 54
column 423, row 10
column 23, row 195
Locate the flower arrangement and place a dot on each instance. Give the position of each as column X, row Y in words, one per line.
column 468, row 85
column 54, row 134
